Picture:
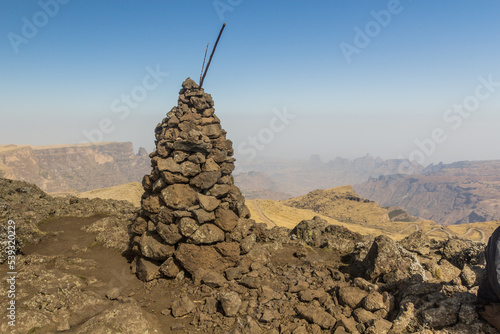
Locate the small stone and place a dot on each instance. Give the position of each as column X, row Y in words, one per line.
column 231, row 303
column 113, row 293
column 300, row 286
column 63, row 325
column 361, row 315
column 209, row 203
column 211, row 166
column 226, row 219
column 179, row 196
column 197, row 158
column 378, row 326
column 182, row 307
column 187, row 226
column 205, row 180
column 374, row 301
column 468, row 276
column 301, row 253
column 364, row 284
column 151, row 203
column 447, row 272
column 180, row 156
column 173, row 178
column 207, row 234
column 251, row 282
column 213, row 279
column 247, row 243
column 159, row 185
column 234, row 273
column 230, row 250
column 168, row 165
column 219, row 190
column 170, row 268
column 316, row 316
column 203, row 216
column 169, row 233
column 212, row 130
column 152, row 247
column 309, row 295
column 210, row 306
column 351, row 296
column 467, row 314
column 147, row 270
column 190, row 169
column 267, row 316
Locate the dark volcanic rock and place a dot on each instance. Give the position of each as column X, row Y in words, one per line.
column 319, row 233
column 384, row 261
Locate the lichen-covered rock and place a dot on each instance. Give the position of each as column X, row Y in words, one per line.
column 317, row 232
column 384, row 261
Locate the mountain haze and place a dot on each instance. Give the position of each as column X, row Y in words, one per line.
column 285, row 179
column 457, row 193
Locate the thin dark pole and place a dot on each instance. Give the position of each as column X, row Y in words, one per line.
column 204, row 59
column 210, row 59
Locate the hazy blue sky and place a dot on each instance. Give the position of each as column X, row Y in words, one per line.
column 359, row 77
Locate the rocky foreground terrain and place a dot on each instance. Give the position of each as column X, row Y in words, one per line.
column 74, row 276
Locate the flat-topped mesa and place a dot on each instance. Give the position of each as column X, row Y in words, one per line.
column 190, row 204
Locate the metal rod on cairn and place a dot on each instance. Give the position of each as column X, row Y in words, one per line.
column 210, row 59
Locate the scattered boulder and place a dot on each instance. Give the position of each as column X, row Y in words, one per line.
column 384, row 261
column 351, row 296
column 230, row 302
column 316, row 316
column 182, row 307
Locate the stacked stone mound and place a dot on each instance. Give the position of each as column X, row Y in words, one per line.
column 190, row 204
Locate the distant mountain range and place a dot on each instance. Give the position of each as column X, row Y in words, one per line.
column 338, row 206
column 457, row 193
column 74, row 168
column 280, row 180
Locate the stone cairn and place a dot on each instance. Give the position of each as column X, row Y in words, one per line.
column 190, row 206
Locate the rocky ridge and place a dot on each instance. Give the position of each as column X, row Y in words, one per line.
column 74, row 168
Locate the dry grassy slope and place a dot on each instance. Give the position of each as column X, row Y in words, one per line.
column 371, row 217
column 344, row 207
column 131, row 192
column 341, row 203
column 275, row 213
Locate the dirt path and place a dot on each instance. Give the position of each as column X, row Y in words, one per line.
column 415, row 226
column 440, row 229
column 109, row 267
column 471, row 230
column 262, row 216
